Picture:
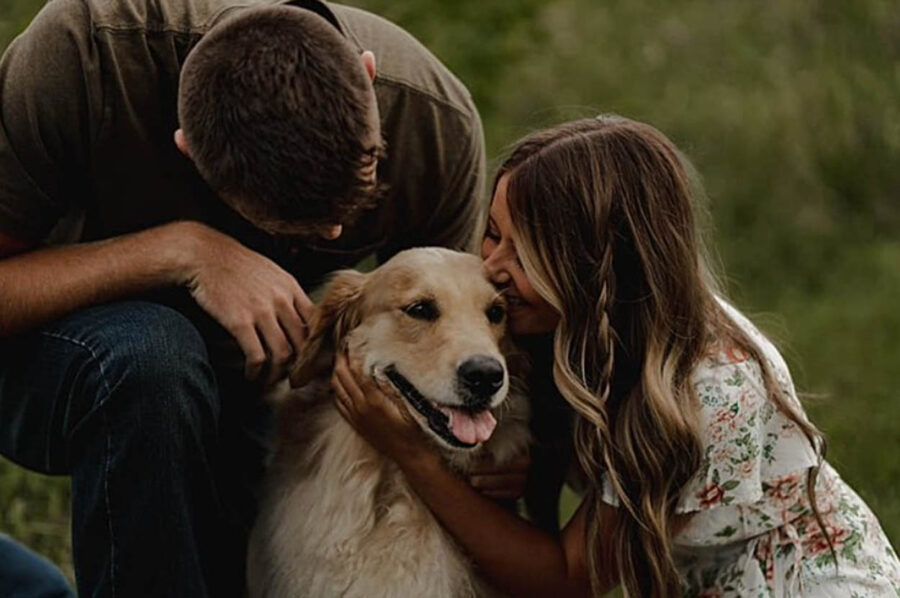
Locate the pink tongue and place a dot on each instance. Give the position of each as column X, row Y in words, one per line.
column 470, row 428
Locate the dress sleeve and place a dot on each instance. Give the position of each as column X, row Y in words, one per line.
column 747, row 439
column 47, row 81
column 755, row 459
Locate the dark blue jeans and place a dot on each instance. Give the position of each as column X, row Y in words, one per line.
column 125, row 399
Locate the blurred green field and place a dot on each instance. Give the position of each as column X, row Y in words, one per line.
column 790, row 110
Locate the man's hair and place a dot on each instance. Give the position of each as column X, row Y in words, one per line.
column 274, row 107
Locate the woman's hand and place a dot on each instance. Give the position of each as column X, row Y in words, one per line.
column 501, row 482
column 375, row 411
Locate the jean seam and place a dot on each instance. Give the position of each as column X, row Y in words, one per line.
column 106, row 468
column 93, row 355
column 112, row 539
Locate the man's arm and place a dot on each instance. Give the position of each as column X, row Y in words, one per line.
column 44, row 284
column 260, row 304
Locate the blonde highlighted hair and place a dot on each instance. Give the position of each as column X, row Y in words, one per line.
column 604, row 217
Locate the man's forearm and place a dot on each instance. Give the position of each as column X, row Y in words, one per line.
column 40, row 285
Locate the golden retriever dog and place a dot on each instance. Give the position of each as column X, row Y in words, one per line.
column 336, row 517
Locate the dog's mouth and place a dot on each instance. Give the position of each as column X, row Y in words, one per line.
column 457, row 427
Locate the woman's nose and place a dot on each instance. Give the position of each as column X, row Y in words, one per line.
column 495, row 269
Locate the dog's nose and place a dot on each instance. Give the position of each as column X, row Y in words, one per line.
column 481, row 375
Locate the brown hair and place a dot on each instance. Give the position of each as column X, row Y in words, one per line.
column 274, row 106
column 603, row 209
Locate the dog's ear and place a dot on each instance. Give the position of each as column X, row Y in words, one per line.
column 336, row 315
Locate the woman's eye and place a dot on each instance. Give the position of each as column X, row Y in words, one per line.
column 495, row 313
column 422, row 310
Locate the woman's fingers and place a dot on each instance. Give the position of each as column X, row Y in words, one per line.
column 505, row 481
column 347, row 382
column 500, row 486
column 517, row 465
column 342, row 404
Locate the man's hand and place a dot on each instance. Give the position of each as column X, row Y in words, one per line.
column 501, row 482
column 258, row 303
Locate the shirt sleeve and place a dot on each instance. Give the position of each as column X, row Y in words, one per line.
column 460, row 218
column 438, row 173
column 46, row 82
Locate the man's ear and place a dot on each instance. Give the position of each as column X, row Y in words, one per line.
column 181, row 143
column 334, row 317
column 368, row 60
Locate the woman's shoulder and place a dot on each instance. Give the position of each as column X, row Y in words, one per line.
column 727, row 369
column 747, row 439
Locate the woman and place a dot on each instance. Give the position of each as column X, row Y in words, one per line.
column 705, row 476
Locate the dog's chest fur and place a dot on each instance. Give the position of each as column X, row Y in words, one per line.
column 338, row 519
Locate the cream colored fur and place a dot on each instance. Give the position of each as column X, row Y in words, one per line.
column 337, row 518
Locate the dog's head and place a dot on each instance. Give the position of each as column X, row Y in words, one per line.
column 429, row 323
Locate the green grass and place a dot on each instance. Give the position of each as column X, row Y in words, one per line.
column 790, row 109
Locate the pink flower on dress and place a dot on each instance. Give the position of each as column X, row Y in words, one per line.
column 766, row 557
column 784, row 489
column 711, row 593
column 711, row 495
column 716, row 434
column 724, row 421
column 736, row 354
column 748, row 467
column 726, row 418
column 723, row 453
column 816, row 542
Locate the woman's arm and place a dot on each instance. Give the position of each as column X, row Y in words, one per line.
column 515, row 556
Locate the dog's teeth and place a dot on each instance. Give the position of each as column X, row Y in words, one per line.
column 448, row 412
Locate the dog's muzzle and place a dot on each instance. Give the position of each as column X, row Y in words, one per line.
column 465, row 426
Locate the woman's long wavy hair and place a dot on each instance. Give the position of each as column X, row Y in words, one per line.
column 604, row 217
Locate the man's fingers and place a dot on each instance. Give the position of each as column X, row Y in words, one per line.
column 303, row 305
column 280, row 350
column 254, row 354
column 294, row 328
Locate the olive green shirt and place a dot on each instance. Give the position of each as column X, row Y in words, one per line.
column 88, row 110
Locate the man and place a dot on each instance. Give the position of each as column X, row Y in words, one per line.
column 173, row 175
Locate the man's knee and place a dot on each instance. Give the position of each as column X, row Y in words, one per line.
column 143, row 359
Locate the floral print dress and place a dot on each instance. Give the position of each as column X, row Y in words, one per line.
column 752, row 532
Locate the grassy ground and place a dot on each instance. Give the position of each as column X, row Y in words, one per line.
column 788, row 108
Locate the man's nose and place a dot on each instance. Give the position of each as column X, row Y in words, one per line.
column 330, row 232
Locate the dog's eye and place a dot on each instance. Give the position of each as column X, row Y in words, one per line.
column 422, row 310
column 495, row 313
